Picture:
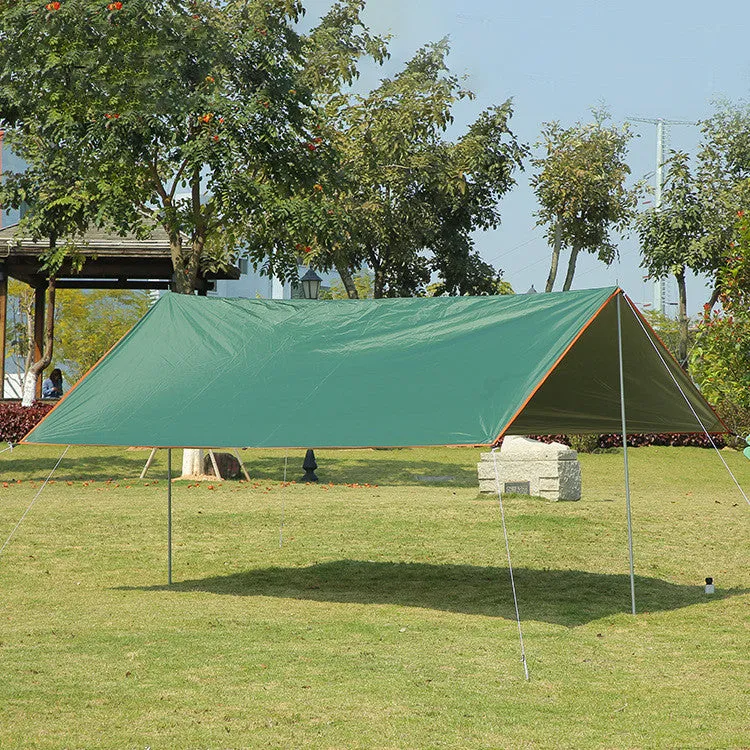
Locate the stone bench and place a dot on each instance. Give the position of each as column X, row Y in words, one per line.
column 528, row 467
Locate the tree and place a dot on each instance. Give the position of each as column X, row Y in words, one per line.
column 396, row 196
column 696, row 224
column 723, row 179
column 60, row 204
column 20, row 327
column 670, row 236
column 363, row 285
column 719, row 360
column 580, row 185
column 89, row 323
column 191, row 111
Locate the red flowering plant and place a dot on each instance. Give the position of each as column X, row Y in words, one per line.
column 720, row 359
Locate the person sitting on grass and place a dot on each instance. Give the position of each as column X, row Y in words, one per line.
column 52, row 386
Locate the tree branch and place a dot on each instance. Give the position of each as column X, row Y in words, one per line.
column 166, row 199
column 177, row 177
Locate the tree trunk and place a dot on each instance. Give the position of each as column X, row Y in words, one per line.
column 192, row 463
column 714, row 297
column 555, row 258
column 682, row 318
column 33, row 372
column 29, row 359
column 192, row 458
column 571, row 267
column 347, row 280
column 378, row 285
column 185, row 269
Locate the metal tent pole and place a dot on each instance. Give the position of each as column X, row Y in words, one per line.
column 625, row 456
column 169, row 514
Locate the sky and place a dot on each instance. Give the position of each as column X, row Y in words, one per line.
column 557, row 60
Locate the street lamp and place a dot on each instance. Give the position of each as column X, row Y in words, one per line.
column 310, row 283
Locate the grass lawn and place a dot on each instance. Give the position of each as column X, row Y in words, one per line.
column 385, row 620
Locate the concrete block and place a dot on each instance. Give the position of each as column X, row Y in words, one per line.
column 552, row 470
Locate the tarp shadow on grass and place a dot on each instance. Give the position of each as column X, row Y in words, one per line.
column 563, row 597
column 80, row 468
column 411, row 470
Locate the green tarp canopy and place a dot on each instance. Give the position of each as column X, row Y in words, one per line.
column 213, row 372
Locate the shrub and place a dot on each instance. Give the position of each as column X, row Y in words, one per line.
column 17, row 420
column 593, row 443
column 587, row 443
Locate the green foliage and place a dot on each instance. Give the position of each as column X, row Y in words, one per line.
column 19, row 329
column 586, row 443
column 413, row 198
column 719, row 360
column 183, row 115
column 89, row 323
column 489, row 282
column 396, row 196
column 669, row 236
column 222, row 124
column 55, row 190
column 334, row 47
column 723, row 177
column 696, row 227
column 719, row 364
column 580, row 186
column 670, row 331
column 669, row 232
column 362, row 282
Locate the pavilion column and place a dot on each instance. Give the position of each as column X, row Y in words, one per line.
column 3, row 324
column 39, row 305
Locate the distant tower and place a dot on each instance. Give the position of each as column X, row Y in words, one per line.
column 660, row 285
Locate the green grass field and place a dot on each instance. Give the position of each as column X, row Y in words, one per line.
column 386, row 618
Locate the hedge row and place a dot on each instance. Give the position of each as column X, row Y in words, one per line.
column 17, row 420
column 614, row 440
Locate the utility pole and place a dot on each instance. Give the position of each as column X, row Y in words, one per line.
column 660, row 285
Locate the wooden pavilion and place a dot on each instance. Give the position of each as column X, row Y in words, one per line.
column 111, row 262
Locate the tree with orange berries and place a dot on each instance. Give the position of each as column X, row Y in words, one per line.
column 192, row 112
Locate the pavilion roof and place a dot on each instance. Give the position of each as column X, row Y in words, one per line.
column 112, row 261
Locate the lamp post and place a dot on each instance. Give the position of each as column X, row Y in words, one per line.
column 310, row 283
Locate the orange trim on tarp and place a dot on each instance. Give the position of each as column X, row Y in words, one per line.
column 557, row 362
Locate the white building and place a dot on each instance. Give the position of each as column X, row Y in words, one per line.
column 251, row 285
